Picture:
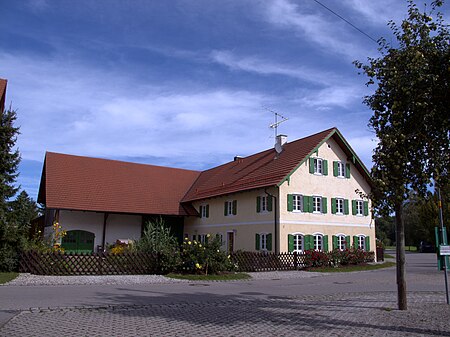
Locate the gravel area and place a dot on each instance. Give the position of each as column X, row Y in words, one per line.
column 36, row 280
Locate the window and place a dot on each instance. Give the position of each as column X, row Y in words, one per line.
column 339, row 206
column 297, row 202
column 219, row 236
column 263, row 204
column 318, row 166
column 360, row 207
column 230, row 208
column 202, row 238
column 340, row 169
column 204, row 211
column 263, row 241
column 318, row 242
column 317, row 204
column 341, row 242
column 298, row 243
column 361, row 242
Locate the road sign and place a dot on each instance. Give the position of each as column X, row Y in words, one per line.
column 444, row 250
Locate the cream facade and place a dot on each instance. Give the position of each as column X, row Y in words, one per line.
column 289, row 228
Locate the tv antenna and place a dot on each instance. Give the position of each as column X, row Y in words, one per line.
column 277, row 122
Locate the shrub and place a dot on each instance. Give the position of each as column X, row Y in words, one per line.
column 204, row 258
column 315, row 258
column 157, row 238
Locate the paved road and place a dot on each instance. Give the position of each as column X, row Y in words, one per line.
column 337, row 305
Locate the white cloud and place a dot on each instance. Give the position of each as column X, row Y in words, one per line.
column 379, row 12
column 257, row 65
column 330, row 35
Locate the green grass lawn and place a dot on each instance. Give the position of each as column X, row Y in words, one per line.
column 350, row 268
column 389, row 256
column 407, row 248
column 6, row 277
column 220, row 277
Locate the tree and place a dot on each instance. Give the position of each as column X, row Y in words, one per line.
column 9, row 161
column 21, row 211
column 410, row 107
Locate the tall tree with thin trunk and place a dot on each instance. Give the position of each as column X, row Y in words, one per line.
column 411, row 113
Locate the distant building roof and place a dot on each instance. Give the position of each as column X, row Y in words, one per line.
column 92, row 184
column 2, row 93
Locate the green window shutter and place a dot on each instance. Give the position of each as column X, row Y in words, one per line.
column 194, row 237
column 309, row 242
column 324, row 205
column 346, row 210
column 333, row 205
column 366, row 208
column 269, row 241
column 269, row 203
column 347, row 242
column 225, row 208
column 258, row 204
column 309, row 203
column 234, row 207
column 290, row 203
column 354, row 207
column 305, row 204
column 207, row 211
column 325, row 167
column 335, row 242
column 200, row 210
column 257, row 241
column 290, row 243
column 335, row 168
column 311, row 165
column 325, row 243
column 367, row 243
column 347, row 171
column 355, row 242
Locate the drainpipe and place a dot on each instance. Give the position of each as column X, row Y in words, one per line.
column 275, row 219
column 105, row 217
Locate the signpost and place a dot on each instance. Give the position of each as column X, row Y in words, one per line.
column 444, row 246
column 444, row 250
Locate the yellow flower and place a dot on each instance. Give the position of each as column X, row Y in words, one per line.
column 208, row 235
column 198, row 266
column 195, row 242
column 218, row 251
column 186, row 238
column 200, row 245
column 189, row 242
column 229, row 256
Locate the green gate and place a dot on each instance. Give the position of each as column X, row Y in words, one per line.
column 78, row 241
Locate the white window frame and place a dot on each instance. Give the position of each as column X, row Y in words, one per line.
column 222, row 241
column 203, row 207
column 318, row 241
column 263, row 241
column 201, row 238
column 299, row 248
column 342, row 243
column 229, row 208
column 318, row 166
column 361, row 241
column 339, row 206
column 264, row 204
column 341, row 169
column 297, row 202
column 318, row 209
column 359, row 208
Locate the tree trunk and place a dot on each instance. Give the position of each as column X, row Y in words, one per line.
column 400, row 250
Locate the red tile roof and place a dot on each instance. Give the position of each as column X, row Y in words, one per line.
column 259, row 170
column 2, row 93
column 81, row 183
column 92, row 184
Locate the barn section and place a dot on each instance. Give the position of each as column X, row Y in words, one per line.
column 98, row 201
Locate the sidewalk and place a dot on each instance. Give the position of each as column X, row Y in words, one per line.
column 363, row 314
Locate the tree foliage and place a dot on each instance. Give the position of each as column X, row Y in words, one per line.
column 410, row 107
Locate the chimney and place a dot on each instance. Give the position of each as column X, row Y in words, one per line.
column 280, row 141
column 237, row 158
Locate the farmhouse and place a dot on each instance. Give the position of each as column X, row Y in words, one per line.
column 305, row 194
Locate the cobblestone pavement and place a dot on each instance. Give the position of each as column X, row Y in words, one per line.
column 363, row 314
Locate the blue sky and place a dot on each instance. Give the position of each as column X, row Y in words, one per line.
column 186, row 84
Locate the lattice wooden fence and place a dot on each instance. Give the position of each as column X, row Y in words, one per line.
column 89, row 264
column 266, row 261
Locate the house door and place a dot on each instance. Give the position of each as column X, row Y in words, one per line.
column 230, row 242
column 78, row 241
